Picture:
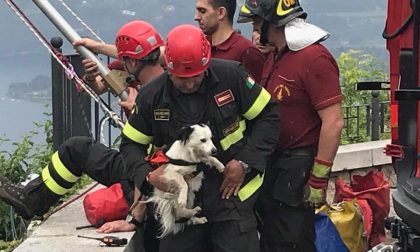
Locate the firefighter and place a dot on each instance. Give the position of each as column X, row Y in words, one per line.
column 246, row 16
column 215, row 19
column 80, row 155
column 303, row 77
column 244, row 121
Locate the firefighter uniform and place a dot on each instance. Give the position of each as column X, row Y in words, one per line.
column 74, row 157
column 244, row 122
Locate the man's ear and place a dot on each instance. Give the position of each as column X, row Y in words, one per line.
column 221, row 13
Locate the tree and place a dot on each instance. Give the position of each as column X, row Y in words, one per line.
column 356, row 66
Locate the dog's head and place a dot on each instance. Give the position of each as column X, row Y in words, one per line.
column 197, row 139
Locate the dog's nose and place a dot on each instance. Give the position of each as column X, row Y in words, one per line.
column 213, row 151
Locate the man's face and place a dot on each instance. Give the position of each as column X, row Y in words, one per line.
column 206, row 16
column 256, row 35
column 188, row 85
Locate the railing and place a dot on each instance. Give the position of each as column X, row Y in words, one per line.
column 366, row 122
column 73, row 113
column 74, row 116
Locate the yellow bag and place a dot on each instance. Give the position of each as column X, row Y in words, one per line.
column 348, row 220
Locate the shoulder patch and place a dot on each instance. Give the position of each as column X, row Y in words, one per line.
column 224, row 98
column 249, row 82
column 162, row 114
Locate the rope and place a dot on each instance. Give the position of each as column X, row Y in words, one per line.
column 102, row 124
column 101, row 128
column 81, row 21
column 47, row 215
column 63, row 61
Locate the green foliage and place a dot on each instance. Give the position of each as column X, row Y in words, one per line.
column 9, row 246
column 356, row 66
column 27, row 158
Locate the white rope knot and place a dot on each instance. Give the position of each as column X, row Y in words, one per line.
column 69, row 71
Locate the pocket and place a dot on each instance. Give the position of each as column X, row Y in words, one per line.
column 291, row 180
column 246, row 211
column 229, row 118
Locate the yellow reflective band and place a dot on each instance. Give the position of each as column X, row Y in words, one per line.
column 135, row 135
column 234, row 137
column 281, row 11
column 259, row 104
column 245, row 10
column 62, row 170
column 251, row 187
column 51, row 184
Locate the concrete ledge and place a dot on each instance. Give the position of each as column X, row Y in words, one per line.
column 58, row 233
column 361, row 155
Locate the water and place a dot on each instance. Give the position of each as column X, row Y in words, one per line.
column 17, row 118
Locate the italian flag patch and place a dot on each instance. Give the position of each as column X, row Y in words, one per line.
column 249, row 82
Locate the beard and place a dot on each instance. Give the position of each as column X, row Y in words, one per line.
column 210, row 30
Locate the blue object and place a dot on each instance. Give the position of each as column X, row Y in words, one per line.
column 327, row 238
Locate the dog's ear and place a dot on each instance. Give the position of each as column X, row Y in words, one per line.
column 185, row 134
column 204, row 124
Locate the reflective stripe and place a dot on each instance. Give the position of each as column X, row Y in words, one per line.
column 234, row 137
column 251, row 187
column 283, row 11
column 62, row 170
column 259, row 104
column 135, row 135
column 244, row 9
column 51, row 184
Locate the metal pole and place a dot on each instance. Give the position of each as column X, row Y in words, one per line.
column 68, row 32
column 375, row 115
column 65, row 28
column 57, row 97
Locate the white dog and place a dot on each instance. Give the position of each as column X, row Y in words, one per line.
column 193, row 146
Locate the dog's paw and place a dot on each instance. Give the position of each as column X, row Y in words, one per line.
column 197, row 210
column 220, row 167
column 198, row 220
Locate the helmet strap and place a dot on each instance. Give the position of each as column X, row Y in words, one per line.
column 134, row 76
column 264, row 33
column 148, row 60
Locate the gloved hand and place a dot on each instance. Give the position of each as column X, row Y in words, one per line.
column 316, row 194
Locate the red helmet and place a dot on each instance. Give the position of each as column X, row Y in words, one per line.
column 187, row 51
column 137, row 39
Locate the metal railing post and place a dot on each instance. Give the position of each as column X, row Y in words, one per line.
column 71, row 110
column 375, row 115
column 57, row 94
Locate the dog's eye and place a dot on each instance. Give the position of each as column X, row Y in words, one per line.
column 203, row 140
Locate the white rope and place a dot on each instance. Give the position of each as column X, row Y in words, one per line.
column 69, row 69
column 101, row 129
column 81, row 21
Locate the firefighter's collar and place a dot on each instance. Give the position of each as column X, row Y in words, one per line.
column 301, row 34
column 201, row 90
column 160, row 158
column 229, row 42
column 210, row 81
